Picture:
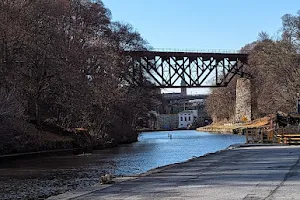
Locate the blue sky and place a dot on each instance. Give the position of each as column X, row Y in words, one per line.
column 199, row 24
column 202, row 24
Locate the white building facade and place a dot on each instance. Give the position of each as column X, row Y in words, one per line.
column 186, row 118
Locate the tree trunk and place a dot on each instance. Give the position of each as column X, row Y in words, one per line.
column 37, row 113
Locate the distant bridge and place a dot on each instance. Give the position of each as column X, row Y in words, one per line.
column 178, row 96
column 190, row 69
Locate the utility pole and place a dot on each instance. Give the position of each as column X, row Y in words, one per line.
column 298, row 103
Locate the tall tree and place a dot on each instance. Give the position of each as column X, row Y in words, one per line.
column 274, row 66
column 63, row 59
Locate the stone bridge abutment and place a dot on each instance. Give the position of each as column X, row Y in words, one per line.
column 243, row 109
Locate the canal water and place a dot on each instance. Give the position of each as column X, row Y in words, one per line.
column 43, row 176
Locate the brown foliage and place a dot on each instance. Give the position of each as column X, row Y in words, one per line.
column 220, row 104
column 276, row 77
column 275, row 69
column 62, row 60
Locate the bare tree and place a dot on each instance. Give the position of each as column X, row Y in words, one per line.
column 63, row 60
column 274, row 66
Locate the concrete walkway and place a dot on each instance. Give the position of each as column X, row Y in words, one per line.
column 262, row 172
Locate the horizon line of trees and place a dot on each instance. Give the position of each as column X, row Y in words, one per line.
column 274, row 65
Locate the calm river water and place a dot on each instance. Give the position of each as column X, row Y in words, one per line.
column 40, row 177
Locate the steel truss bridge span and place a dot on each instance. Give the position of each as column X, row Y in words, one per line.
column 186, row 69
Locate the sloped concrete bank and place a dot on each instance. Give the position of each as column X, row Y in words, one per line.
column 240, row 172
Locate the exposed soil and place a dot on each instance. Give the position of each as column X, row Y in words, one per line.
column 19, row 136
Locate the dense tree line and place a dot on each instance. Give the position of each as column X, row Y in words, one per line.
column 61, row 63
column 274, row 65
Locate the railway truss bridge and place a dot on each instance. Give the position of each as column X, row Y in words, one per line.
column 179, row 69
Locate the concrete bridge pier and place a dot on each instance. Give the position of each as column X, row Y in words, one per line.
column 243, row 100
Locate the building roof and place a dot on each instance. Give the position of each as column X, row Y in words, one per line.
column 187, row 112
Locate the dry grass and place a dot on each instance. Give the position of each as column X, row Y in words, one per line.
column 229, row 127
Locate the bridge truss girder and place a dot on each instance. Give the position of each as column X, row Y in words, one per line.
column 181, row 69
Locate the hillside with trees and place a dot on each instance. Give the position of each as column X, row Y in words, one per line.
column 274, row 68
column 62, row 68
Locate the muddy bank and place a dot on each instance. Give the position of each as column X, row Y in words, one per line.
column 19, row 136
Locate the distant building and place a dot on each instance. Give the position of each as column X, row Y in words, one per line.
column 186, row 118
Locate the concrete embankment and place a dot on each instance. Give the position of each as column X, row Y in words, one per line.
column 245, row 172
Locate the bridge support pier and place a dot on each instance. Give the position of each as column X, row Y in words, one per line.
column 243, row 100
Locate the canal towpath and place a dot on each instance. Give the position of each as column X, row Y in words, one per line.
column 243, row 172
